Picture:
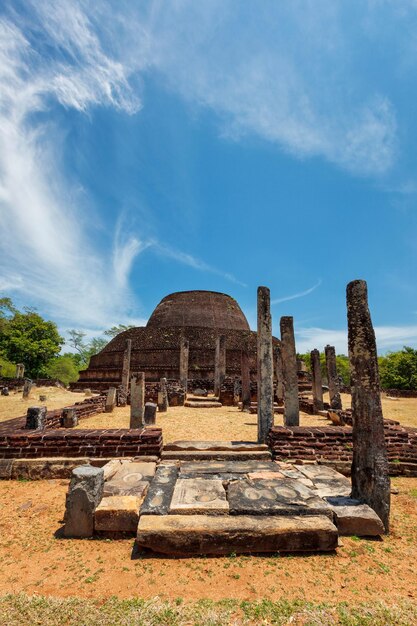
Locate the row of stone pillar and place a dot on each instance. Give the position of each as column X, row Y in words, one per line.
column 332, row 379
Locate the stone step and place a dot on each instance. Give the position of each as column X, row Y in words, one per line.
column 203, row 404
column 216, row 455
column 224, row 534
column 208, row 446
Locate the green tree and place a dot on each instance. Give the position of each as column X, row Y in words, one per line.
column 116, row 330
column 398, row 370
column 28, row 338
column 342, row 364
column 64, row 367
column 85, row 349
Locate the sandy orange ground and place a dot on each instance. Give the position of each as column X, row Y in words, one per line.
column 14, row 405
column 35, row 561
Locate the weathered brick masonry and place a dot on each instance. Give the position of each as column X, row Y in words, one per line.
column 66, row 442
column 333, row 443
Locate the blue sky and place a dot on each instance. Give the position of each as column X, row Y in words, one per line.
column 152, row 147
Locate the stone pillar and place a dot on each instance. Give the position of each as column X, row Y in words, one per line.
column 317, row 380
column 265, row 366
column 163, row 396
column 150, row 413
column 370, row 477
column 137, row 400
column 184, row 354
column 20, row 370
column 279, row 374
column 332, row 378
column 110, row 400
column 289, row 369
column 124, row 387
column 27, row 388
column 84, row 495
column 245, row 375
column 36, row 418
column 69, row 418
column 219, row 364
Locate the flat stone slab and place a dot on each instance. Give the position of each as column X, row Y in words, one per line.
column 232, row 446
column 283, row 497
column 203, row 534
column 118, row 514
column 216, row 455
column 206, row 404
column 320, row 472
column 354, row 518
column 158, row 498
column 130, row 479
column 198, row 495
column 227, row 467
column 330, row 487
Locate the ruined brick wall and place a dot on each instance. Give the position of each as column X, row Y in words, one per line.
column 401, row 393
column 333, row 443
column 80, row 443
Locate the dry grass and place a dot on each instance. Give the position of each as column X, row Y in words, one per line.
column 57, row 398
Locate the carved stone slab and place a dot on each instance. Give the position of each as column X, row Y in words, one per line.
column 225, row 467
column 275, row 497
column 160, row 491
column 194, row 496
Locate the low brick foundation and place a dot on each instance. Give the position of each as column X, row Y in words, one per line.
column 334, row 443
column 66, row 442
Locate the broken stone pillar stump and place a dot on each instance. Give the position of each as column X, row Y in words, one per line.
column 83, row 497
column 184, row 355
column 219, row 363
column 69, row 418
column 5, row 391
column 150, row 413
column 317, row 381
column 332, row 378
column 110, row 400
column 20, row 370
column 245, row 373
column 36, row 418
column 137, row 400
column 290, row 373
column 27, row 388
column 265, row 366
column 163, row 396
column 370, row 477
column 43, row 398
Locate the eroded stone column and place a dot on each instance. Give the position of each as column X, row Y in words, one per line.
column 279, row 374
column 317, row 380
column 332, row 377
column 289, row 369
column 84, row 495
column 124, row 387
column 27, row 388
column 265, row 366
column 219, row 363
column 137, row 400
column 370, row 477
column 36, row 418
column 20, row 370
column 163, row 396
column 69, row 417
column 184, row 356
column 245, row 375
column 110, row 400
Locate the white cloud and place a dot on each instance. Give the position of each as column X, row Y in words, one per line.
column 300, row 294
column 387, row 338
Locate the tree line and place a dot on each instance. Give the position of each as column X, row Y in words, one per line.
column 26, row 337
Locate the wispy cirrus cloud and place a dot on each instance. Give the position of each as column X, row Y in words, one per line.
column 387, row 338
column 300, row 294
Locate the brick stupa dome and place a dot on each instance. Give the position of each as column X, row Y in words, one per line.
column 206, row 309
column 198, row 316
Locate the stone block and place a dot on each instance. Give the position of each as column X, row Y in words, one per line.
column 205, row 534
column 36, row 418
column 275, row 497
column 130, row 479
column 355, row 518
column 158, row 498
column 111, row 468
column 117, row 514
column 84, row 495
column 149, row 417
column 224, row 467
column 198, row 495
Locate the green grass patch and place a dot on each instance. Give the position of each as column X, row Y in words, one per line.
column 20, row 609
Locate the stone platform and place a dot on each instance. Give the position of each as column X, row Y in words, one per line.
column 185, row 507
